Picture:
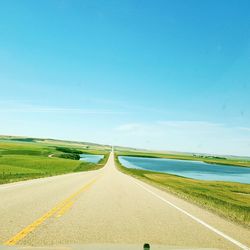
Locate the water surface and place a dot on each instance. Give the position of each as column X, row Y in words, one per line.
column 91, row 158
column 191, row 169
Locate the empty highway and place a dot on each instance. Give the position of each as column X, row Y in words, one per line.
column 107, row 206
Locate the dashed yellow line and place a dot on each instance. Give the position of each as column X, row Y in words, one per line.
column 60, row 209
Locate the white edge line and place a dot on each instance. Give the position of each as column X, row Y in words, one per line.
column 237, row 243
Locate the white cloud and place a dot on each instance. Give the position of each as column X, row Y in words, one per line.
column 130, row 127
column 45, row 109
column 188, row 136
column 190, row 124
column 245, row 129
column 165, row 126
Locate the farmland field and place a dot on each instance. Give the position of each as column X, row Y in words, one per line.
column 28, row 158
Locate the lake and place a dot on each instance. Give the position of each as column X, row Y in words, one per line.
column 91, row 158
column 191, row 169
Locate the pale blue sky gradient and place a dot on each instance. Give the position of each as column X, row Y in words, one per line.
column 170, row 75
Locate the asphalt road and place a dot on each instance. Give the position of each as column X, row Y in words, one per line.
column 107, row 206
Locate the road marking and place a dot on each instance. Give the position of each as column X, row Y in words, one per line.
column 64, row 209
column 237, row 243
column 59, row 207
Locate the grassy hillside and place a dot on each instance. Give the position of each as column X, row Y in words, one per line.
column 230, row 200
column 27, row 158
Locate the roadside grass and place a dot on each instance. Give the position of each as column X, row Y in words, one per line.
column 229, row 200
column 23, row 160
column 234, row 161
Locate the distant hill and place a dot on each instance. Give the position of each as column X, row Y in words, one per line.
column 48, row 140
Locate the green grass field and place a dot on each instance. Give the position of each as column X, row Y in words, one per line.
column 27, row 158
column 228, row 199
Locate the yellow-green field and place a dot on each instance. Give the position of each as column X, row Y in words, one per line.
column 228, row 199
column 27, row 158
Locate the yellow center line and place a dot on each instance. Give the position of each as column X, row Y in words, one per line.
column 62, row 206
column 64, row 209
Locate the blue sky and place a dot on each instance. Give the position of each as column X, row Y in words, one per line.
column 169, row 75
